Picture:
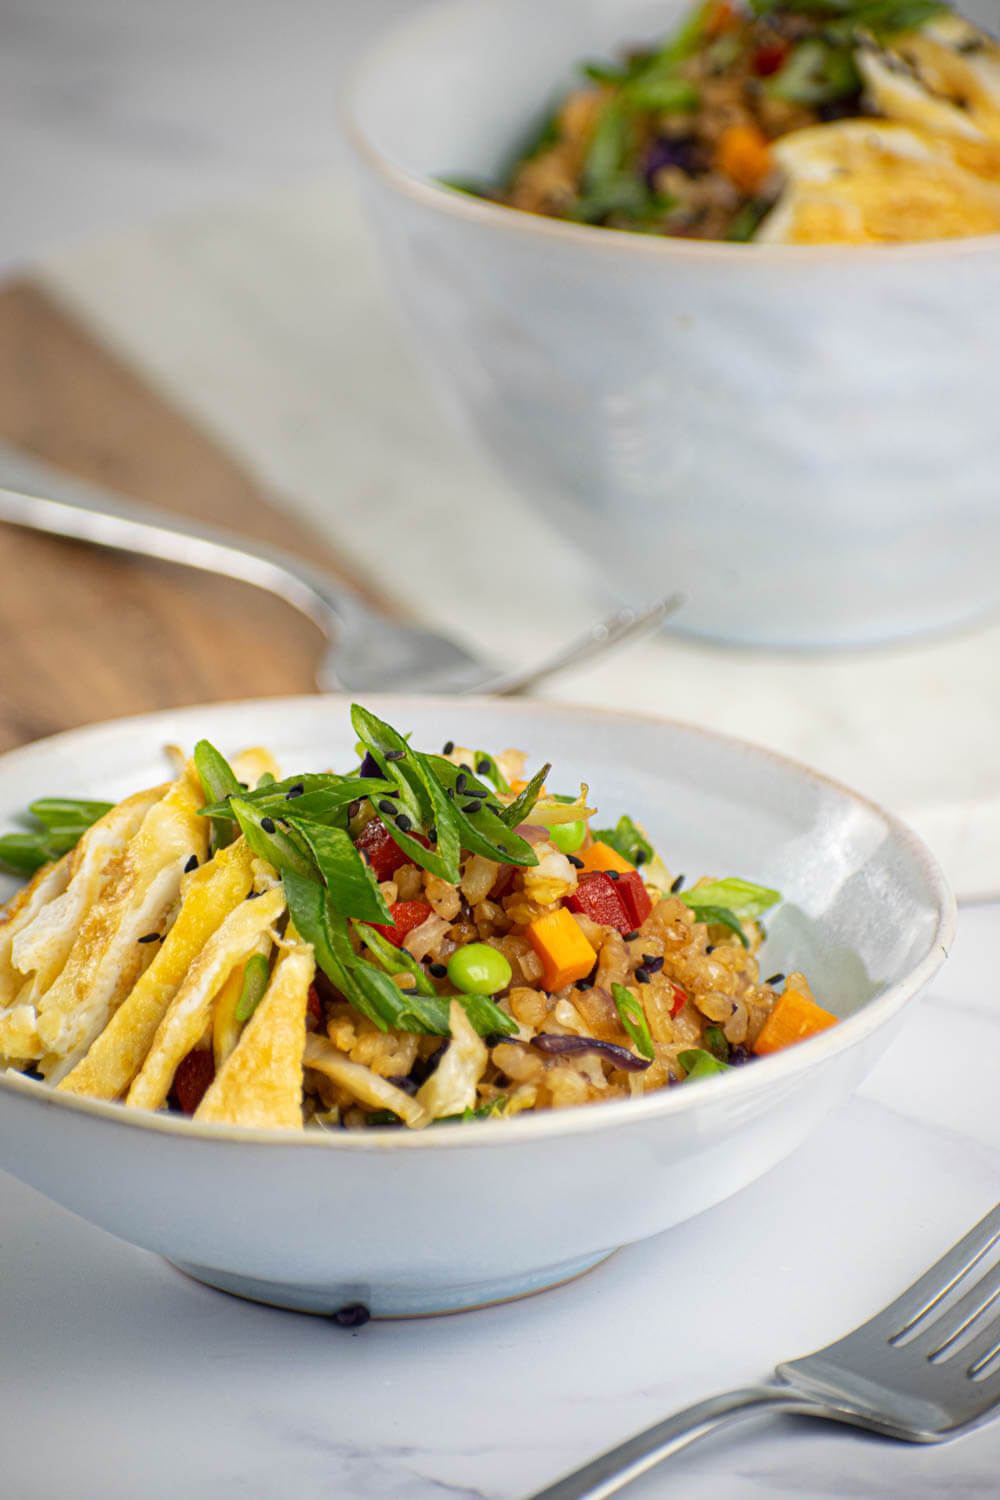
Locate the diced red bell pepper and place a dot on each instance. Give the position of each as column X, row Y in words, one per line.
column 191, row 1081
column 314, row 1006
column 596, row 896
column 634, row 897
column 406, row 915
column 679, row 1000
column 769, row 57
column 379, row 847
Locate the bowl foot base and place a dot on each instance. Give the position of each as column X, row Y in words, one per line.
column 394, row 1300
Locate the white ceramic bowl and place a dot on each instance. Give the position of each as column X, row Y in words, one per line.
column 806, row 440
column 452, row 1217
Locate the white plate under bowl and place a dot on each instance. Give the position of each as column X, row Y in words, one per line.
column 424, row 1222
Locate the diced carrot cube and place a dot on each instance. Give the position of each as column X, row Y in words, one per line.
column 602, row 857
column 744, row 156
column 565, row 953
column 793, row 1018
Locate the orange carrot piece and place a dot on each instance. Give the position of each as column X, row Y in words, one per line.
column 602, row 857
column 793, row 1018
column 565, row 953
column 720, row 18
column 744, row 156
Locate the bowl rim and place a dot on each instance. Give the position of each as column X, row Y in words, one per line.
column 766, row 1071
column 451, row 202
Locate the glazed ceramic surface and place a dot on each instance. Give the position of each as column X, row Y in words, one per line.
column 451, row 1217
column 804, row 439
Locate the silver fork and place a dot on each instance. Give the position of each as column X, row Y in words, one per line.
column 365, row 651
column 924, row 1369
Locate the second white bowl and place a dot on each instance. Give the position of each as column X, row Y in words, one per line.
column 805, row 440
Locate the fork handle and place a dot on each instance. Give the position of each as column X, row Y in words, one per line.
column 145, row 531
column 610, row 1472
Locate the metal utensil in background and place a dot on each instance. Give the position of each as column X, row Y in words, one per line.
column 365, row 651
column 924, row 1369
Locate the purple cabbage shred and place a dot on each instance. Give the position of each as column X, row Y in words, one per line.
column 573, row 1046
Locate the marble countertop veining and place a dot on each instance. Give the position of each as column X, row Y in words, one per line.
column 117, row 111
column 120, row 1377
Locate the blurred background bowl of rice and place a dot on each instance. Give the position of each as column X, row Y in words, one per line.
column 803, row 438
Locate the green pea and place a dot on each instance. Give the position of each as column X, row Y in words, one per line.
column 568, row 837
column 478, row 969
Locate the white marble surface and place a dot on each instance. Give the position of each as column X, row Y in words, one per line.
column 119, row 1377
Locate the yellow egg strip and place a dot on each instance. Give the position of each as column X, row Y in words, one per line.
column 211, row 893
column 190, row 1010
column 261, row 1081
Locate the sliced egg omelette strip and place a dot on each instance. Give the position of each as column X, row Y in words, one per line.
column 43, row 888
column 943, row 76
column 210, row 893
column 876, row 182
column 260, row 1083
column 115, row 942
column 40, row 946
column 189, row 1012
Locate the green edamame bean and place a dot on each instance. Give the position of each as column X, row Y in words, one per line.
column 567, row 837
column 478, row 969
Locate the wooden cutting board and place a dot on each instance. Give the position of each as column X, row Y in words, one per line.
column 90, row 635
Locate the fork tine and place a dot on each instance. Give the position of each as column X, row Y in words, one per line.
column 983, row 1358
column 919, row 1300
column 982, row 1348
column 947, row 1328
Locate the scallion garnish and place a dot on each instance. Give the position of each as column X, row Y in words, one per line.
column 633, row 1018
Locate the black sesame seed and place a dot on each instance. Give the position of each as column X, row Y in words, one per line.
column 460, row 782
column 432, row 834
column 245, row 785
column 439, row 971
column 448, row 748
column 478, row 792
column 403, row 823
column 395, row 754
column 775, row 979
column 584, row 984
column 640, row 857
column 385, row 806
column 630, row 935
column 471, row 807
column 652, row 963
column 267, row 824
column 482, row 767
column 192, row 864
column 641, row 975
column 576, row 863
column 354, row 1315
column 677, row 885
column 710, row 948
column 150, row 937
column 613, row 874
column 465, row 767
column 294, row 791
column 450, row 792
